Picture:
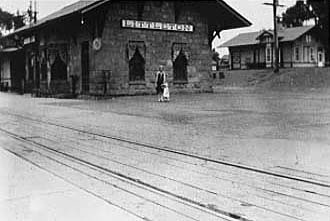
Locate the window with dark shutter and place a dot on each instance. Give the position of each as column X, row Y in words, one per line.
column 137, row 66
column 180, row 67
column 59, row 69
column 297, row 54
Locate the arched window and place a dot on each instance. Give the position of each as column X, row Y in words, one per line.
column 59, row 69
column 137, row 66
column 180, row 67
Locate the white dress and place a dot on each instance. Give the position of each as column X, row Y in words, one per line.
column 166, row 93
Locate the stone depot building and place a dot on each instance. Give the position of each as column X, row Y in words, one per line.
column 104, row 47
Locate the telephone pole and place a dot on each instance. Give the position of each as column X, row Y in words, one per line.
column 275, row 4
column 35, row 12
column 32, row 13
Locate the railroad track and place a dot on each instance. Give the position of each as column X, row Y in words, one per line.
column 205, row 208
column 222, row 215
column 171, row 150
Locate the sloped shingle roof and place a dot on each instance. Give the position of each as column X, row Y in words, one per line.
column 292, row 34
column 82, row 5
column 67, row 10
column 250, row 38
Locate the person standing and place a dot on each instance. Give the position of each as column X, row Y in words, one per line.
column 160, row 82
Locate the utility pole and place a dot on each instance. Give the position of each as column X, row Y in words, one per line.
column 276, row 66
column 32, row 13
column 275, row 4
column 34, row 53
column 35, row 12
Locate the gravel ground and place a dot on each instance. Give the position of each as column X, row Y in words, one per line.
column 281, row 131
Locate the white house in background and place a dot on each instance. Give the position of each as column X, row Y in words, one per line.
column 298, row 47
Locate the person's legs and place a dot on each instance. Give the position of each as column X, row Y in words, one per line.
column 159, row 93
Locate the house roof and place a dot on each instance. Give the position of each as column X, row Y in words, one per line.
column 292, row 34
column 83, row 6
column 251, row 38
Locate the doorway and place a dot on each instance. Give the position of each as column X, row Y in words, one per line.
column 320, row 58
column 85, row 66
column 17, row 71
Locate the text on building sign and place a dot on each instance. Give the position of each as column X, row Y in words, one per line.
column 164, row 26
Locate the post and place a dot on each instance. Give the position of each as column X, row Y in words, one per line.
column 35, row 12
column 276, row 45
column 275, row 4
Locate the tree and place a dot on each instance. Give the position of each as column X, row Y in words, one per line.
column 320, row 9
column 10, row 21
column 312, row 9
column 19, row 20
column 297, row 14
column 6, row 20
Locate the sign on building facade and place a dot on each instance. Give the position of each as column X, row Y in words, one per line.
column 164, row 26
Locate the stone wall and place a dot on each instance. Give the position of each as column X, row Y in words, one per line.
column 114, row 57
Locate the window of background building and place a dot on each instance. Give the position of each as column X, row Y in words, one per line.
column 306, row 53
column 312, row 55
column 268, row 55
column 297, row 57
column 320, row 57
column 308, row 38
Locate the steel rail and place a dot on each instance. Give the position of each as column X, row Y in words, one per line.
column 183, row 153
column 186, row 201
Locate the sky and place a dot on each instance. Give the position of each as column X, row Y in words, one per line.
column 261, row 16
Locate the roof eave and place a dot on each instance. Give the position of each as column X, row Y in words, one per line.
column 246, row 23
column 27, row 30
column 233, row 46
column 94, row 6
column 38, row 26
